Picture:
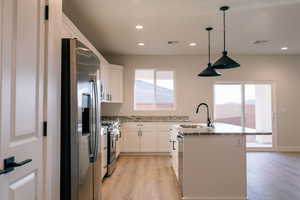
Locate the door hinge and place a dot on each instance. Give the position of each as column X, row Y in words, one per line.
column 45, row 129
column 46, row 12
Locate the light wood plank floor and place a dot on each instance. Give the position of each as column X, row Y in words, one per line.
column 141, row 178
column 271, row 176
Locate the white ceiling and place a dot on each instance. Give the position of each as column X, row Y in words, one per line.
column 110, row 25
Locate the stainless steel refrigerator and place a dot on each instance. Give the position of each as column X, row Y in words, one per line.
column 80, row 123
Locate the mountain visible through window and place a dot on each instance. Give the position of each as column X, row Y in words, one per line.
column 154, row 90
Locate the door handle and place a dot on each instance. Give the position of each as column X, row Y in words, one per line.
column 10, row 164
column 95, row 117
column 174, row 145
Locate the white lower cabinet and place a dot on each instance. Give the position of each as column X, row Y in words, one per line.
column 119, row 144
column 103, row 151
column 131, row 141
column 116, row 83
column 214, row 166
column 148, row 141
column 174, row 151
column 163, row 143
column 146, row 137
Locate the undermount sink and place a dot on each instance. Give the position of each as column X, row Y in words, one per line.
column 191, row 126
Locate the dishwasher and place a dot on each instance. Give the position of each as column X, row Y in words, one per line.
column 180, row 139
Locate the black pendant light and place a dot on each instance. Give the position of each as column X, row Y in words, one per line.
column 225, row 62
column 209, row 71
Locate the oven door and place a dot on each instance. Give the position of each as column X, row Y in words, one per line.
column 112, row 147
column 112, row 153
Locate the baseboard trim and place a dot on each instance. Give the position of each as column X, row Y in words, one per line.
column 145, row 154
column 214, row 198
column 289, row 149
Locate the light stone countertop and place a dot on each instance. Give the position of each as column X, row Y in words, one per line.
column 219, row 129
column 175, row 119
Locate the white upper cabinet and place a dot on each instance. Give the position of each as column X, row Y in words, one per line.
column 115, row 83
column 111, row 83
column 105, row 82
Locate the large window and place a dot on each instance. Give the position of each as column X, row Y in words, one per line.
column 247, row 105
column 154, row 90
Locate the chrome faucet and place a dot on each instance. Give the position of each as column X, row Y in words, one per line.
column 209, row 123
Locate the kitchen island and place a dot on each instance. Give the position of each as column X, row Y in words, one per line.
column 210, row 163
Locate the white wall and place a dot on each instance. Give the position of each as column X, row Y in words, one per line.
column 191, row 89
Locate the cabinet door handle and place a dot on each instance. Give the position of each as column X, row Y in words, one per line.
column 174, row 146
column 140, row 133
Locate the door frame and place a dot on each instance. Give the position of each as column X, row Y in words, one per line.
column 51, row 154
column 274, row 110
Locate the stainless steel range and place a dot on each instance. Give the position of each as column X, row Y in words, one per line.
column 112, row 137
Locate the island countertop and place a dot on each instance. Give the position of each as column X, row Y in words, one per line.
column 219, row 129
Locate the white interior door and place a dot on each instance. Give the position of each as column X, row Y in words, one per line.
column 21, row 97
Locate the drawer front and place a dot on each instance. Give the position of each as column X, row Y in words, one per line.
column 146, row 126
column 165, row 126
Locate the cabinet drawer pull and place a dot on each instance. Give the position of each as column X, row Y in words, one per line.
column 139, row 133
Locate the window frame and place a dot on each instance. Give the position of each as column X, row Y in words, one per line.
column 155, row 70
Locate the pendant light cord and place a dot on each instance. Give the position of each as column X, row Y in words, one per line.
column 208, row 46
column 224, row 31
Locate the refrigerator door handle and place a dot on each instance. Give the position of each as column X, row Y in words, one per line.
column 92, row 124
column 96, row 123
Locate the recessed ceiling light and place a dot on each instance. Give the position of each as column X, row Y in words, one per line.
column 284, row 48
column 193, row 44
column 139, row 27
column 141, row 44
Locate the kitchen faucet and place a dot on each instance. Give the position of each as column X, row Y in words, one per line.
column 209, row 124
